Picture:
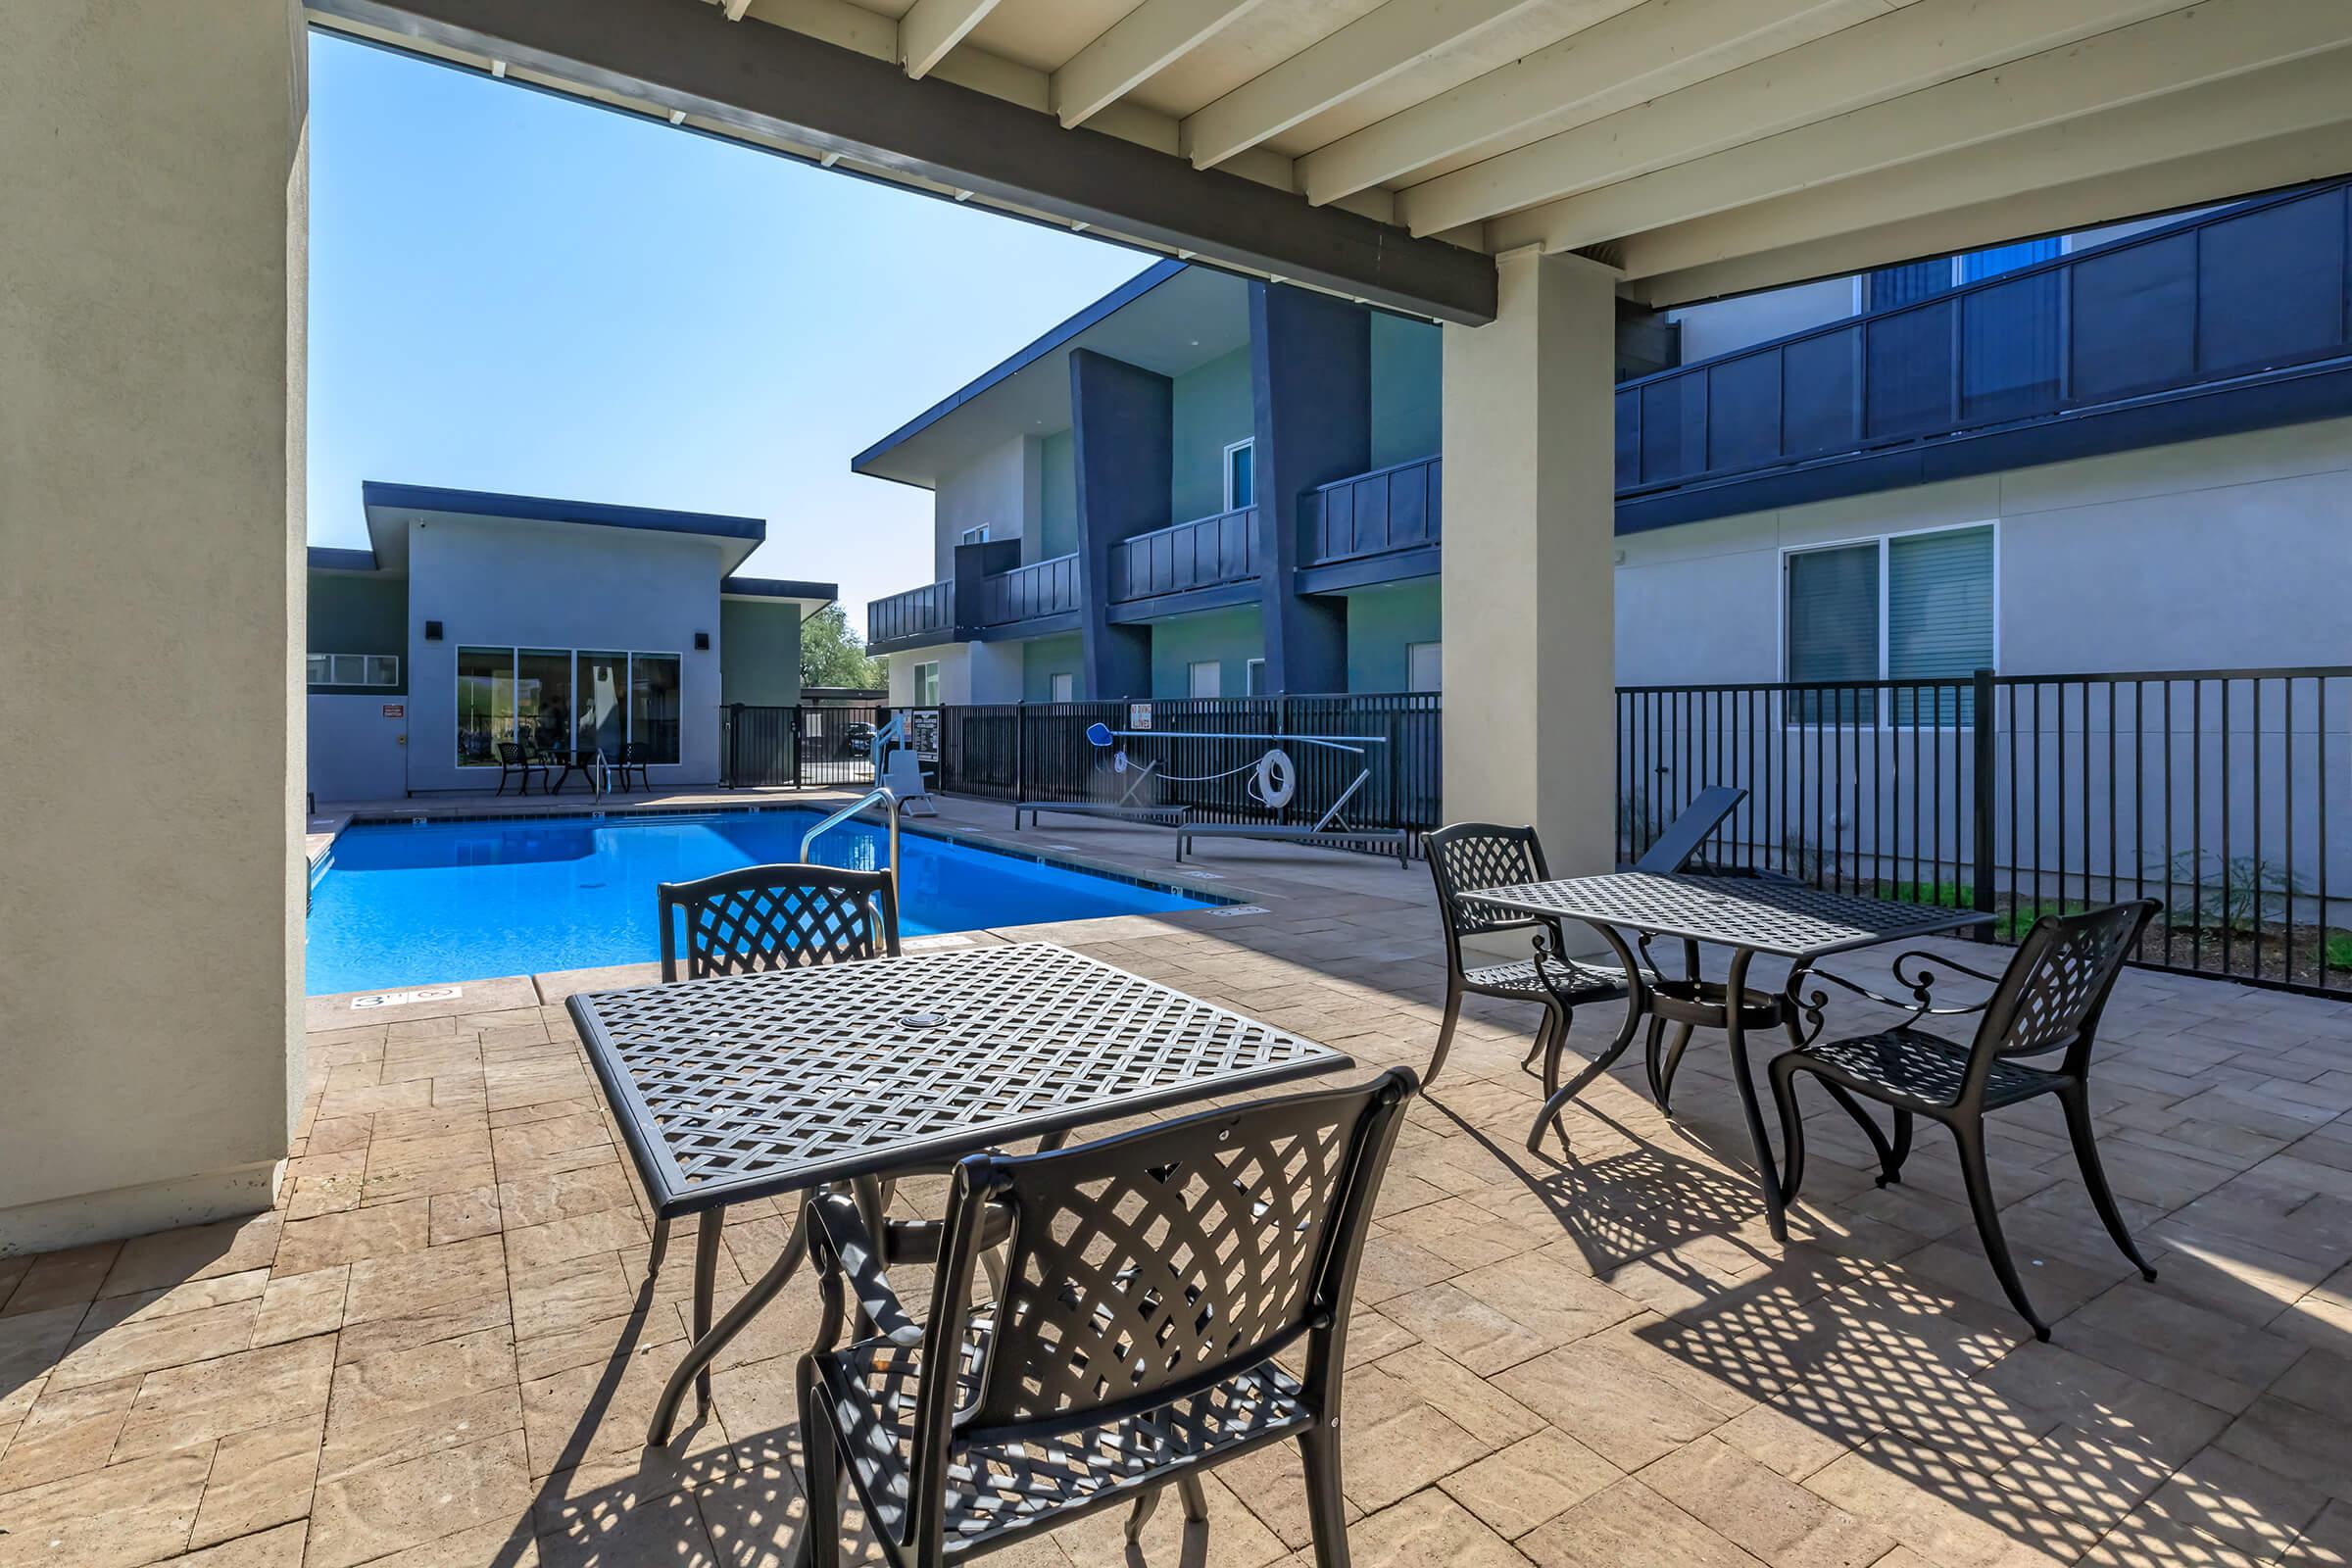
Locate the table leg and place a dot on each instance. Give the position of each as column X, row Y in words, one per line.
column 1637, row 1005
column 1736, row 1032
column 710, row 1339
column 705, row 1285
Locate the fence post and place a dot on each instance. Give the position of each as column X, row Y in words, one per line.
column 1020, row 750
column 734, row 744
column 795, row 745
column 1987, row 740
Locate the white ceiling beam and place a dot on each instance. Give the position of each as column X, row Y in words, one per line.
column 1653, row 49
column 2207, row 121
column 2210, row 176
column 1900, row 53
column 1365, row 53
column 2208, row 42
column 932, row 27
column 1138, row 47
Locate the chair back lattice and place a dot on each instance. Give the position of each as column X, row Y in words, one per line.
column 1469, row 857
column 2050, row 996
column 777, row 918
column 1149, row 1266
column 510, row 755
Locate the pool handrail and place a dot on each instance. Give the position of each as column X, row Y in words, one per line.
column 881, row 793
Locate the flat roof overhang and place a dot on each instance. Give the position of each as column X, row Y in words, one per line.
column 390, row 508
column 1170, row 317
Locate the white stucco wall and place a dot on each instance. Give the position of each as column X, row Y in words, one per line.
column 999, row 490
column 501, row 583
column 2229, row 551
column 151, row 613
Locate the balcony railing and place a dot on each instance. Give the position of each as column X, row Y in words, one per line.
column 1202, row 554
column 1372, row 513
column 1047, row 587
column 916, row 613
column 2260, row 288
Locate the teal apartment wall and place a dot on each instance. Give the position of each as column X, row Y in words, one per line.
column 1407, row 397
column 1232, row 637
column 354, row 615
column 758, row 652
column 1057, row 496
column 1379, row 622
column 1044, row 658
column 1211, row 410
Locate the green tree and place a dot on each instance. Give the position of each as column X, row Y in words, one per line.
column 834, row 654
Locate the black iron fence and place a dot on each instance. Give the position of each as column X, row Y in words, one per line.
column 1378, row 757
column 1379, row 751
column 2213, row 791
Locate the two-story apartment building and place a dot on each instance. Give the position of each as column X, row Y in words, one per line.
column 1199, row 485
column 2126, row 448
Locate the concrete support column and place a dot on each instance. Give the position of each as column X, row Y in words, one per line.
column 1528, row 595
column 1121, row 438
column 1310, row 373
column 151, row 601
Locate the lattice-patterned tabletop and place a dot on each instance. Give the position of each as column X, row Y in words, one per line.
column 1788, row 919
column 752, row 1085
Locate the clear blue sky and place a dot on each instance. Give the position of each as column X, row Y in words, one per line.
column 510, row 291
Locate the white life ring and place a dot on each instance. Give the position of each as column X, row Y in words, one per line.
column 1276, row 779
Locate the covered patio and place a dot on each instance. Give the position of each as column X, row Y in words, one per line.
column 441, row 1346
column 335, row 1290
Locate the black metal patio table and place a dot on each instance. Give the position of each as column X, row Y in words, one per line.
column 753, row 1086
column 1749, row 915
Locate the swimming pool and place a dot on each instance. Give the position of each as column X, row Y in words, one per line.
column 400, row 904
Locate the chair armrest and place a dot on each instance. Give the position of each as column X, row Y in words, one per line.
column 846, row 1253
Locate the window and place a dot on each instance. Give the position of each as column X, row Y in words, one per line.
column 354, row 670
column 553, row 698
column 1205, row 677
column 1241, row 476
column 1912, row 607
column 926, row 684
column 1062, row 686
column 1253, row 677
column 973, row 536
column 1424, row 666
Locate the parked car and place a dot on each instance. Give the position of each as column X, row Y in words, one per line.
column 857, row 740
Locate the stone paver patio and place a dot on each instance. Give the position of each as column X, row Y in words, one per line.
column 442, row 1347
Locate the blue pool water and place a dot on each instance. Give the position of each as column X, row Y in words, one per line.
column 405, row 904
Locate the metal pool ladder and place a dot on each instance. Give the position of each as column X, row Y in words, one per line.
column 881, row 795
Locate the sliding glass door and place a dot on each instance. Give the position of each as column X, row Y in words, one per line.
column 653, row 706
column 549, row 699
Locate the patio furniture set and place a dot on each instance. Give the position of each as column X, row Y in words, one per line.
column 522, row 762
column 1145, row 1291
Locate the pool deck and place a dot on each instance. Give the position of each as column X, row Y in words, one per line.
column 440, row 1349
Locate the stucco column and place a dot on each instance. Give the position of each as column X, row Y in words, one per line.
column 1530, row 544
column 151, row 592
column 1310, row 373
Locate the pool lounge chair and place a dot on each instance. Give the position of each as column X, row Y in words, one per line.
column 1394, row 840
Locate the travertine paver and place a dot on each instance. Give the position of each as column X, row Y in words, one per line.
column 441, row 1350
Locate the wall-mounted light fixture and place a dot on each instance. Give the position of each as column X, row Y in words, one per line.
column 432, row 631
column 702, row 642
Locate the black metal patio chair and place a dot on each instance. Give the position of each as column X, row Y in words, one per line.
column 1467, row 858
column 1155, row 1278
column 2048, row 1000
column 513, row 761
column 635, row 756
column 772, row 917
